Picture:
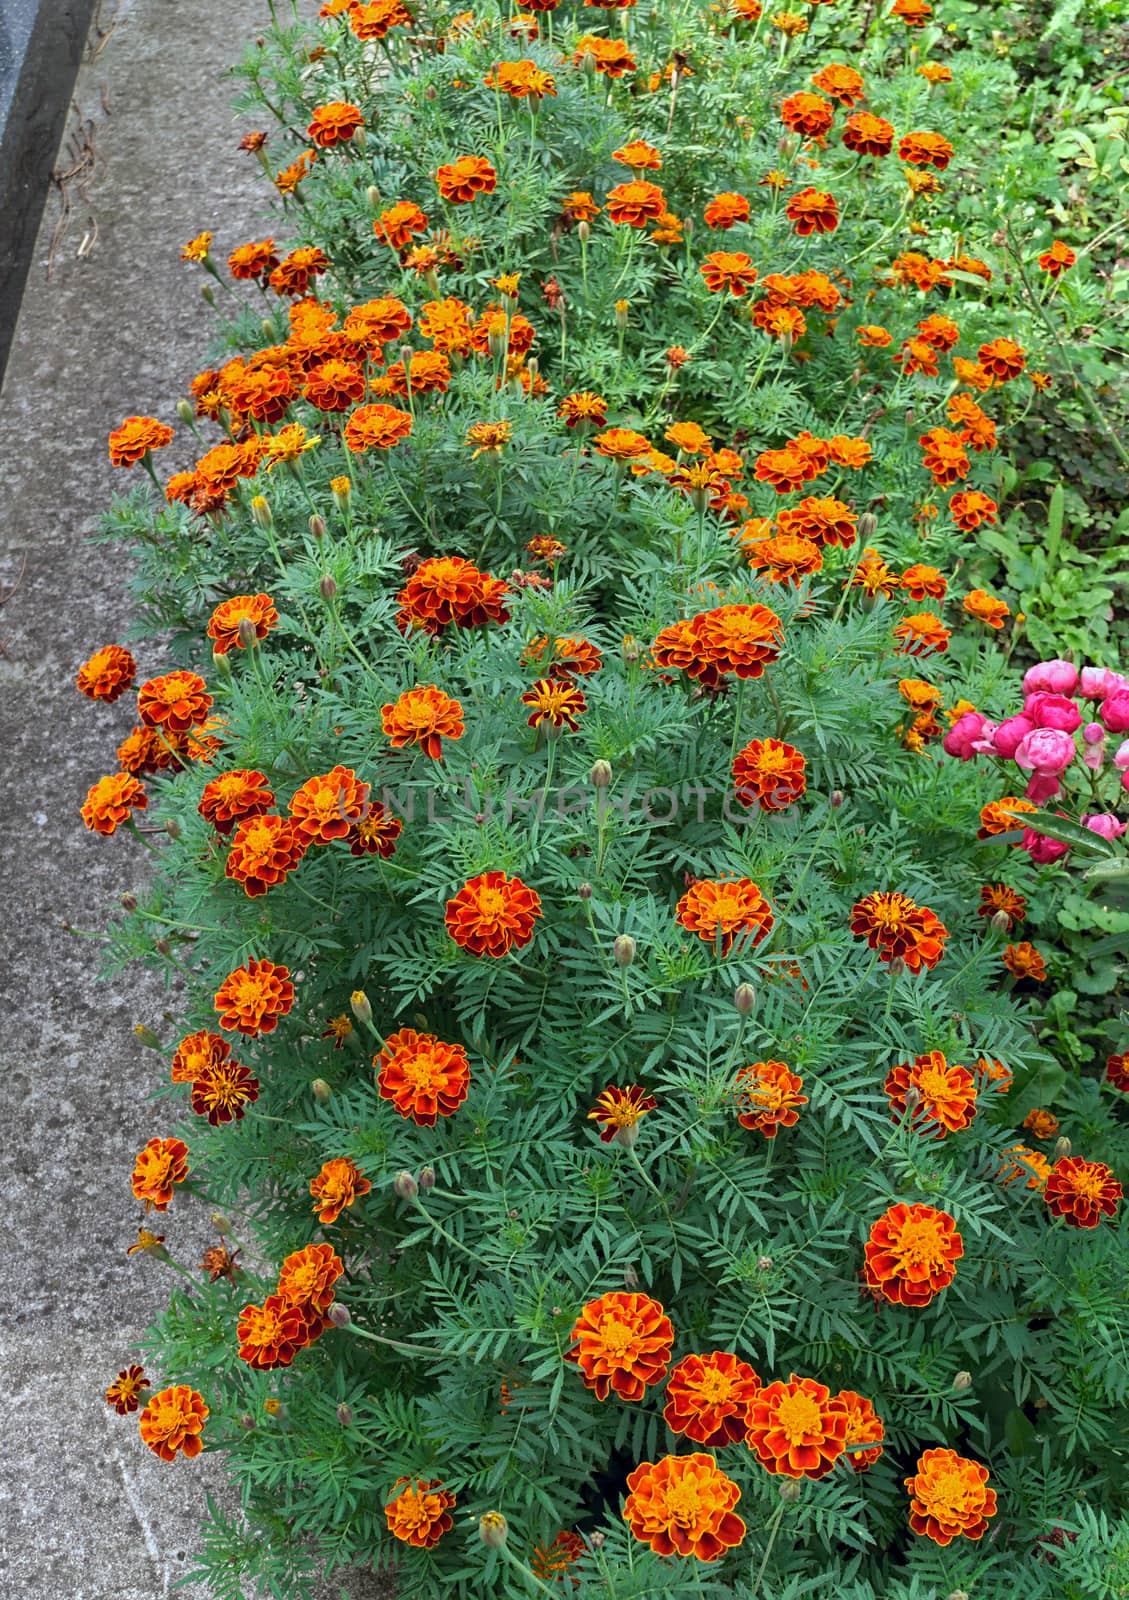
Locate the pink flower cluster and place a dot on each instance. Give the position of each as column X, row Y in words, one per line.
column 1041, row 739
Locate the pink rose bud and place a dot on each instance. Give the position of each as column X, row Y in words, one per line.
column 1104, row 825
column 1097, row 682
column 1114, row 711
column 1052, row 711
column 1042, row 849
column 1093, row 755
column 1042, row 786
column 1051, row 677
column 1045, row 751
column 1010, row 735
column 958, row 741
column 1093, row 733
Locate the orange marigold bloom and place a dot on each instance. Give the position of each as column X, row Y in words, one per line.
column 424, row 716
column 196, row 1054
column 421, row 1513
column 840, row 83
column 251, row 999
column 787, row 558
column 914, row 13
column 264, row 851
column 423, row 1077
column 1057, row 259
column 935, row 72
column 944, row 456
column 970, row 508
column 618, row 1110
column 996, row 897
column 553, row 1563
column 864, row 1426
column 742, row 639
column 925, row 150
column 135, row 438
column 923, row 634
column 334, row 123
column 1042, row 1124
column 728, row 269
column 947, row 1094
column 639, row 155
column 333, row 385
column 683, row 1505
column 159, row 1167
column 725, row 911
column 807, row 114
column 623, row 1344
column 1117, row 1072
column 174, row 703
column 272, row 1334
column 812, row 211
column 621, row 444
column 986, row 608
column 296, row 271
column 583, row 407
column 197, row 249
column 232, row 796
column 873, row 336
column 107, row 675
column 868, row 135
column 770, row 774
column 460, row 181
column 688, row 437
column 254, row 260
column 917, row 355
column 173, row 1420
column 110, row 801
column 1002, row 358
column 1002, row 816
column 521, row 80
column 949, row 1496
column 850, row 453
column 767, row 1094
column 223, row 628
column 223, row 1091
column 307, row 1277
column 899, row 929
column 796, row 1428
column 492, row 914
column 555, row 701
column 977, row 430
column 922, row 697
column 924, row 582
column 378, row 322
column 488, row 438
column 580, row 207
column 1082, row 1192
column 786, row 469
column 445, row 590
column 376, row 427
column 609, row 56
column 396, row 225
column 636, row 203
column 707, row 1397
column 339, row 1183
column 873, row 576
column 124, row 1394
column 429, row 372
column 726, row 209
column 374, row 19
column 327, row 805
column 375, row 833
column 263, row 393
column 911, row 1254
column 1020, row 1163
column 568, row 658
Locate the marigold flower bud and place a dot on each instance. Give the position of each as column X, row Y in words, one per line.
column 1061, row 1149
column 320, row 1091
column 624, row 950
column 764, row 1263
column 128, row 902
column 246, row 1421
column 961, row 1382
column 317, row 526
column 261, row 514
column 492, row 1530
column 327, row 588
column 1001, row 922
column 147, row 1037
column 163, row 947
column 896, row 967
column 744, row 999
column 360, row 1006
column 836, row 799
column 405, row 1186
column 957, row 1594
column 631, row 650
column 601, row 774
column 208, row 295
column 220, row 1223
column 789, row 1490
column 345, row 1415
column 597, row 1539
column 496, row 343
column 359, row 138
column 184, row 411
column 622, row 308
column 372, row 196
column 221, row 663
column 912, row 1095
column 630, row 1277
column 585, row 891
column 532, row 366
column 583, row 229
column 339, row 1315
column 270, row 330
column 246, row 633
column 868, row 525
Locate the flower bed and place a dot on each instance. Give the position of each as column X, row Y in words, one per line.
column 639, row 1165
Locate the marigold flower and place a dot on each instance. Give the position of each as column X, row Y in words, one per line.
column 196, row 1054
column 107, row 675
column 223, row 627
column 922, row 634
column 378, row 322
column 396, row 225
column 1057, row 259
column 986, row 608
column 110, row 802
column 462, row 180
column 326, row 806
column 374, row 19
column 218, row 1262
column 492, row 914
column 707, row 1397
column 914, row 13
column 174, row 703
column 521, row 80
column 796, row 1428
column 923, row 582
column 272, row 1334
column 1002, row 816
column 726, row 210
column 197, row 249
column 424, row 716
column 728, row 269
column 925, row 150
column 621, row 444
column 286, row 446
column 552, row 1563
column 447, row 589
column 583, row 407
column 428, row 372
column 423, row 1077
column 946, row 1094
column 1002, row 358
column 233, row 796
column 158, row 1168
column 172, row 1421
column 580, row 207
column 262, row 393
column 868, row 135
column 807, row 114
column 421, row 1514
column 296, row 271
column 1117, row 1072
column 872, row 336
column 969, row 509
column 338, row 1185
column 334, row 123
column 255, row 260
column 742, row 639
column 623, row 1344
column 899, row 929
column 812, row 211
column 770, row 774
column 911, row 1254
column 618, row 1110
column 840, row 83
column 787, row 558
column 608, row 56
column 287, row 179
column 307, row 1277
column 944, row 456
column 873, row 576
column 767, row 1094
column 1082, row 1192
column 488, row 438
column 1020, row 1163
column 725, row 911
column 786, row 469
column 376, row 427
column 375, row 833
column 135, row 438
column 555, row 701
column 635, row 203
column 124, row 1394
column 222, row 1092
column 995, row 897
column 253, row 997
column 935, row 72
column 864, row 1426
column 949, row 1497
column 683, row 1505
column 1041, row 1124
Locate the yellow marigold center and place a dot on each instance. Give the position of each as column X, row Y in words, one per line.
column 423, row 1071
column 683, row 1502
column 1088, row 1184
column 934, row 1083
column 617, row 1338
column 919, row 1245
column 230, row 786
column 948, row 1491
column 797, row 1416
column 491, row 902
column 259, row 838
column 302, row 1281
column 772, row 761
column 714, row 1387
